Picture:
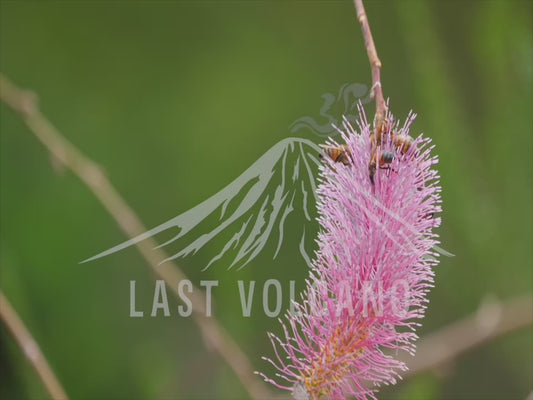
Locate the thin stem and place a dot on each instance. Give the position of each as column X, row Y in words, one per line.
column 375, row 65
column 31, row 349
column 492, row 320
column 24, row 102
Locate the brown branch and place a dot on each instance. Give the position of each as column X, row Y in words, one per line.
column 492, row 320
column 31, row 349
column 375, row 65
column 24, row 102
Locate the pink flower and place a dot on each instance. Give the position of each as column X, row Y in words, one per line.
column 370, row 275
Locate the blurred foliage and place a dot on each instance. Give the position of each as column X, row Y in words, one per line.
column 175, row 99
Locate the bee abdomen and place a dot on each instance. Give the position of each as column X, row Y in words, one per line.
column 403, row 142
column 339, row 154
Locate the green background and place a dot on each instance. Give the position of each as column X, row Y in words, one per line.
column 175, row 99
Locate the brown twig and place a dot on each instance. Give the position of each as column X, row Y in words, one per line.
column 30, row 349
column 493, row 319
column 375, row 65
column 24, row 102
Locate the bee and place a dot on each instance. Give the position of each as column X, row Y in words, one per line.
column 339, row 153
column 382, row 127
column 402, row 142
column 383, row 161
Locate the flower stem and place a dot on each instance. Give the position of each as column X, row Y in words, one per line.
column 375, row 65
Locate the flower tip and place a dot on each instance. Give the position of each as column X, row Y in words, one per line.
column 299, row 392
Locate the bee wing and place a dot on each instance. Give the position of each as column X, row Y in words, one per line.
column 249, row 213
